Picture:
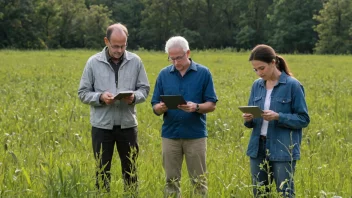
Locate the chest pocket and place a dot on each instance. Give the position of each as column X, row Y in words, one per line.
column 257, row 101
column 283, row 104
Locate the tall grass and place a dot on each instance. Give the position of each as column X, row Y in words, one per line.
column 46, row 142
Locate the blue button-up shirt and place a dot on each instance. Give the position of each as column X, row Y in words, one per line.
column 195, row 86
column 284, row 135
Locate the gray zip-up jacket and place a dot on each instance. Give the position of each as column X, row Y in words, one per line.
column 98, row 76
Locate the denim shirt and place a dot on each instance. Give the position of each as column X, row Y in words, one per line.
column 284, row 135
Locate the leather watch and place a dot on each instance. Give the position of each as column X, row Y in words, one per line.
column 197, row 108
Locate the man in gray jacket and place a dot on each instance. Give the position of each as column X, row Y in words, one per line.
column 114, row 120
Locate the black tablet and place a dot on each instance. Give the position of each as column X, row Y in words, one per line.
column 172, row 101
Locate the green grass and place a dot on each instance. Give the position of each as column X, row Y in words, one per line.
column 45, row 132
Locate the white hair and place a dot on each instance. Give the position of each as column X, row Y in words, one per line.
column 176, row 41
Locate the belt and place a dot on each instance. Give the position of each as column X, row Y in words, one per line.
column 262, row 137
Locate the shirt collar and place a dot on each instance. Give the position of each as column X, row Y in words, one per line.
column 191, row 67
column 282, row 79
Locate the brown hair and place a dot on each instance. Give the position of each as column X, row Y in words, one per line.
column 267, row 54
column 116, row 26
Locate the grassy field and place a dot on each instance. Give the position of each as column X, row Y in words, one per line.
column 46, row 143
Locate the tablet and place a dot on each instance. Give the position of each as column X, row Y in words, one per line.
column 172, row 101
column 254, row 110
column 122, row 94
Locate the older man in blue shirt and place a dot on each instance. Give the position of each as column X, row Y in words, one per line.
column 184, row 130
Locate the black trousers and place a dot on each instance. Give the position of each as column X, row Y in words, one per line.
column 103, row 141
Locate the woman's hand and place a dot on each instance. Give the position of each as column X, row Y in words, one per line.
column 247, row 117
column 270, row 115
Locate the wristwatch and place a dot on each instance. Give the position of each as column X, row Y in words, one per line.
column 197, row 108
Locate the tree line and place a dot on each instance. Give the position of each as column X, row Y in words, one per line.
column 290, row 26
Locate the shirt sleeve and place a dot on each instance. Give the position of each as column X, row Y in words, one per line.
column 209, row 94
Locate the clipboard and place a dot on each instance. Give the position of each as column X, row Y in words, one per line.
column 254, row 110
column 172, row 101
column 122, row 94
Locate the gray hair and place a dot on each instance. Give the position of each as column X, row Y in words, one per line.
column 176, row 41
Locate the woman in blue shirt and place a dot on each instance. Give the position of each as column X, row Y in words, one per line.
column 275, row 141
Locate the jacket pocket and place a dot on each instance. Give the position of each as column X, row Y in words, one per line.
column 283, row 104
column 257, row 100
column 100, row 115
column 128, row 113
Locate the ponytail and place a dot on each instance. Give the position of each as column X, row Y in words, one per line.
column 282, row 65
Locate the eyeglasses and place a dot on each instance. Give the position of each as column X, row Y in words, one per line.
column 118, row 46
column 178, row 58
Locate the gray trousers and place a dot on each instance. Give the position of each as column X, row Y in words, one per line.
column 194, row 151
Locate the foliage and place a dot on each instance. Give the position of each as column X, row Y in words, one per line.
column 96, row 21
column 289, row 26
column 254, row 26
column 334, row 28
column 292, row 23
column 17, row 25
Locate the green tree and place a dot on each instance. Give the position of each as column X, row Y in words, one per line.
column 180, row 23
column 292, row 25
column 96, row 22
column 158, row 18
column 222, row 23
column 47, row 19
column 129, row 13
column 71, row 23
column 17, row 25
column 254, row 25
column 204, row 23
column 335, row 27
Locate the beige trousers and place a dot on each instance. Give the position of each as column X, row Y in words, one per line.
column 194, row 151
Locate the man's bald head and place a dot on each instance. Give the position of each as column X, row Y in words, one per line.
column 116, row 28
